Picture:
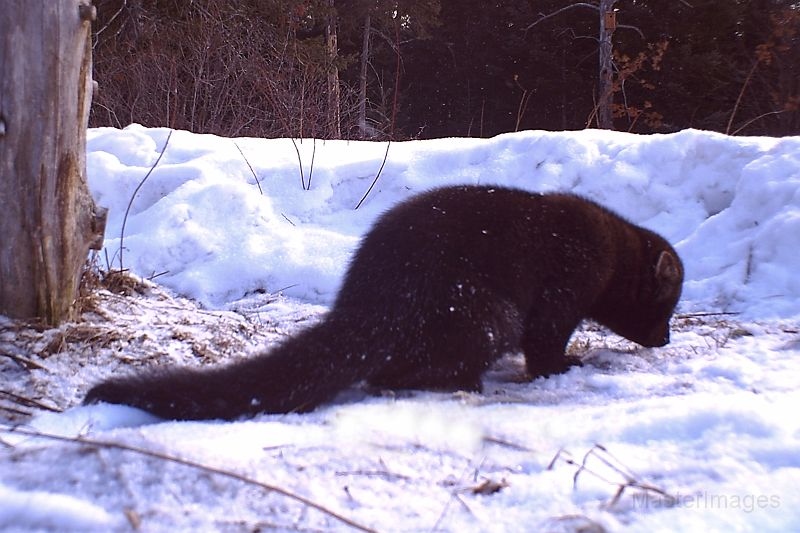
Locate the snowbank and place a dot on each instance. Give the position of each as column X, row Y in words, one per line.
column 202, row 221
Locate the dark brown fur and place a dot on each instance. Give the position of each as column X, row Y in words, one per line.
column 441, row 286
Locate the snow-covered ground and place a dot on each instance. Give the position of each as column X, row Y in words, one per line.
column 700, row 435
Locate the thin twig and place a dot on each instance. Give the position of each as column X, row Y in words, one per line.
column 523, row 103
column 634, row 28
column 186, row 462
column 741, row 94
column 554, row 13
column 286, row 288
column 14, row 411
column 759, row 117
column 135, row 192
column 506, row 444
column 155, row 275
column 628, row 475
column 300, row 163
column 24, row 361
column 113, row 17
column 453, row 496
column 705, row 314
column 378, row 175
column 614, row 464
column 29, row 402
column 593, row 114
column 313, row 156
column 253, row 172
column 748, row 269
column 375, row 473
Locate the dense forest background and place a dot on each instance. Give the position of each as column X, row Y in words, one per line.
column 432, row 68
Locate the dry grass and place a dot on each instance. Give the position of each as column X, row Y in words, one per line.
column 125, row 323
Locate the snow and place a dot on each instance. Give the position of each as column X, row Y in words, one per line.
column 730, row 205
column 52, row 511
column 709, row 419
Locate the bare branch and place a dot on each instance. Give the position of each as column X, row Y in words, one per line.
column 28, row 402
column 759, row 117
column 380, row 170
column 741, row 93
column 186, row 462
column 558, row 11
column 23, row 361
column 300, row 162
column 634, row 28
column 250, row 167
column 135, row 192
column 313, row 156
column 113, row 17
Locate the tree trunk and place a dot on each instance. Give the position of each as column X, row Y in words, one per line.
column 362, row 81
column 605, row 91
column 48, row 220
column 334, row 115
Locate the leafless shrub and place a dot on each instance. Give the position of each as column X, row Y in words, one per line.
column 225, row 67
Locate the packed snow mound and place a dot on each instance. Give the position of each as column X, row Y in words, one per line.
column 215, row 231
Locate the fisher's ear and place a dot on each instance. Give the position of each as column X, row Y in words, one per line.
column 668, row 275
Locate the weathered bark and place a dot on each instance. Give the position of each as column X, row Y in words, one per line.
column 334, row 92
column 605, row 92
column 48, row 220
column 362, row 81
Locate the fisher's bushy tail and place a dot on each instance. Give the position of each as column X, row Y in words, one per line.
column 303, row 372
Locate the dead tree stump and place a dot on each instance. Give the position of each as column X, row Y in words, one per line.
column 48, row 219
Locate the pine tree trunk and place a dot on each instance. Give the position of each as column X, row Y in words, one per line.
column 48, row 220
